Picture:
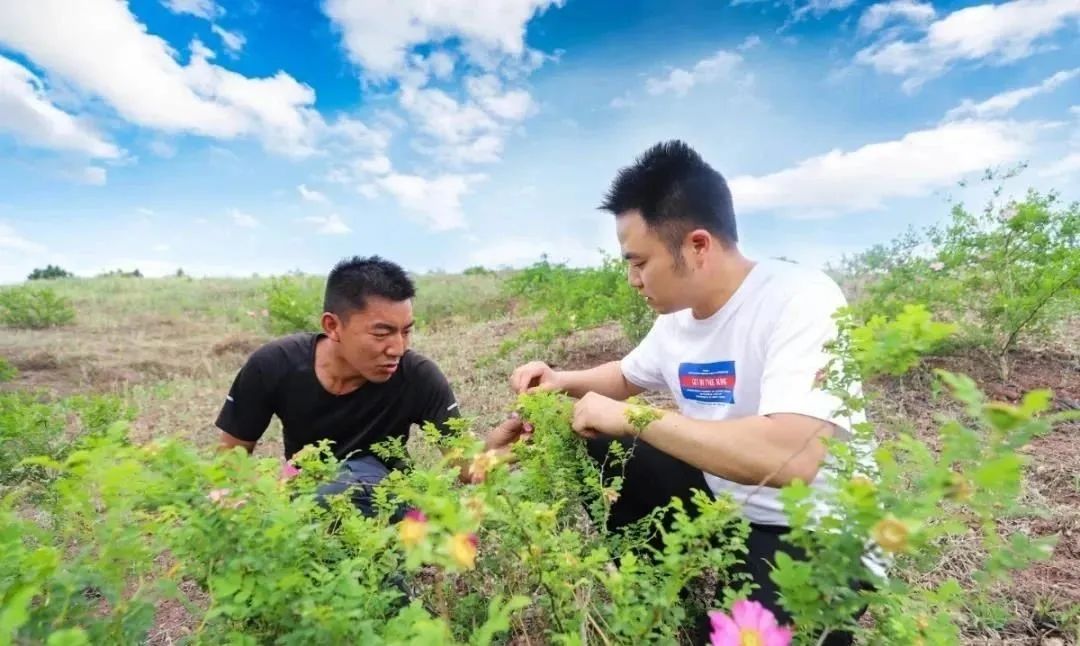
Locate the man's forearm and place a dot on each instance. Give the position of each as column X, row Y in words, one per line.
column 606, row 379
column 229, row 442
column 748, row 450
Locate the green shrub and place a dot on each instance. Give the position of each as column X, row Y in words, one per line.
column 50, row 271
column 34, row 308
column 441, row 299
column 31, row 427
column 8, row 372
column 1002, row 275
column 28, row 427
column 294, row 304
column 578, row 299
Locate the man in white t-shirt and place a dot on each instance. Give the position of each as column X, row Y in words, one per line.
column 738, row 343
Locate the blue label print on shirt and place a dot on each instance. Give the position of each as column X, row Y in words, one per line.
column 712, row 383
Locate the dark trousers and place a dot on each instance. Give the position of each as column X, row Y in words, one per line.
column 358, row 476
column 652, row 478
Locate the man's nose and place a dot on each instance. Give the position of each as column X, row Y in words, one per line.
column 396, row 347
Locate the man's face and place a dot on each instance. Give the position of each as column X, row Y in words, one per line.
column 372, row 340
column 652, row 269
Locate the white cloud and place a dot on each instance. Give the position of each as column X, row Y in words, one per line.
column 877, row 16
column 276, row 108
column 1006, row 102
column 162, row 149
column 510, row 105
column 347, row 136
column 28, row 114
column 161, row 248
column 100, row 48
column 90, row 175
column 328, row 224
column 245, row 220
column 441, row 63
column 437, row 201
column 377, row 165
column 750, row 42
column 145, row 211
column 370, row 191
column 471, row 131
column 622, row 102
column 311, row 195
column 680, row 81
column 10, row 240
column 379, row 34
column 1065, row 167
column 234, row 41
column 862, row 179
column 995, row 33
column 207, row 9
column 818, row 8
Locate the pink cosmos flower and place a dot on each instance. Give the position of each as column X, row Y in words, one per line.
column 750, row 624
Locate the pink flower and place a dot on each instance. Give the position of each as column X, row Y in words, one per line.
column 750, row 624
column 288, row 471
column 937, row 266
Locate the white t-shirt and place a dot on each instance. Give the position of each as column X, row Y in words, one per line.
column 758, row 355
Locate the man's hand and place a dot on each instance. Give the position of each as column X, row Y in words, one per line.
column 535, row 375
column 497, row 448
column 504, row 435
column 596, row 416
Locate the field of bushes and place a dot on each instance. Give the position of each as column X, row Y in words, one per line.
column 119, row 524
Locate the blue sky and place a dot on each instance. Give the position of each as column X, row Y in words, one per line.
column 231, row 137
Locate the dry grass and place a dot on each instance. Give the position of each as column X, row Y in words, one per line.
column 173, row 346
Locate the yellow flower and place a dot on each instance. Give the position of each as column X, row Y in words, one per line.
column 413, row 529
column 862, row 483
column 476, row 507
column 481, row 464
column 463, row 550
column 891, row 534
column 960, row 488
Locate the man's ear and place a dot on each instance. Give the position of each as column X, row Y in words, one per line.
column 332, row 325
column 700, row 243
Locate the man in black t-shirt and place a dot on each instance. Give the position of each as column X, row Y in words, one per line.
column 356, row 383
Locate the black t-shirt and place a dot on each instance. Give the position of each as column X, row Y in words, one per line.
column 279, row 379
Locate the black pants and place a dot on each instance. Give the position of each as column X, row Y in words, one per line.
column 653, row 478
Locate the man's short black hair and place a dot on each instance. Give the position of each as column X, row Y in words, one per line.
column 676, row 192
column 353, row 280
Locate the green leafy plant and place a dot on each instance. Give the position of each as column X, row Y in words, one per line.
column 294, row 304
column 526, row 552
column 1001, row 275
column 49, row 272
column 896, row 503
column 571, row 299
column 34, row 308
column 30, row 426
column 8, row 372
